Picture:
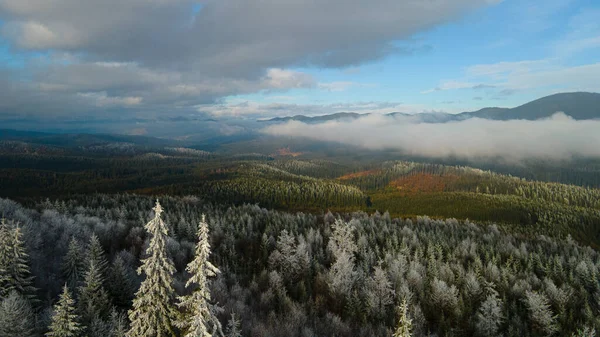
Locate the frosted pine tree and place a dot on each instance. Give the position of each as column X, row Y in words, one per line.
column 489, row 316
column 93, row 298
column 233, row 327
column 4, row 258
column 73, row 265
column 96, row 254
column 16, row 316
column 199, row 319
column 65, row 320
column 404, row 323
column 153, row 312
column 14, row 263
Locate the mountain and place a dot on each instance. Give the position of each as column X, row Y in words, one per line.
column 317, row 119
column 579, row 105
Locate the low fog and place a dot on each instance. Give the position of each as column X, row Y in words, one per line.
column 558, row 137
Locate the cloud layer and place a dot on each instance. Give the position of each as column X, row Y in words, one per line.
column 559, row 137
column 164, row 55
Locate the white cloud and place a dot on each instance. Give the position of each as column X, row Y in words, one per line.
column 558, row 137
column 262, row 110
column 101, row 99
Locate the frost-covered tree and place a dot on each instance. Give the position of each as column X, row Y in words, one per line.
column 404, row 326
column 118, row 324
column 233, row 327
column 97, row 256
column 120, row 283
column 65, row 322
column 73, row 265
column 153, row 313
column 16, row 316
column 540, row 314
column 14, row 263
column 489, row 316
column 5, row 256
column 93, row 298
column 379, row 292
column 198, row 319
column 342, row 273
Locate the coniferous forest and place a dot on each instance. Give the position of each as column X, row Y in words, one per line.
column 187, row 243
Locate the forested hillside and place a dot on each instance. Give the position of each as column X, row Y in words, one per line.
column 290, row 244
column 285, row 274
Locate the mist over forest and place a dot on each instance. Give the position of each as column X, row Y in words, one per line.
column 299, row 168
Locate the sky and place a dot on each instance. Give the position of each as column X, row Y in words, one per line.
column 115, row 60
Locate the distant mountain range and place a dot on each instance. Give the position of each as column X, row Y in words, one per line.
column 578, row 105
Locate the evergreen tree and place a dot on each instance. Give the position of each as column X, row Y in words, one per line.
column 14, row 263
column 404, row 326
column 93, row 298
column 64, row 319
column 96, row 255
column 233, row 327
column 73, row 264
column 153, row 312
column 118, row 324
column 120, row 283
column 540, row 314
column 5, row 254
column 16, row 316
column 197, row 311
column 489, row 316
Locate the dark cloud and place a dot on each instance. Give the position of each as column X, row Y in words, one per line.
column 156, row 55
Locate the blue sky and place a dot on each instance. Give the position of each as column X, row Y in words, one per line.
column 544, row 33
column 247, row 59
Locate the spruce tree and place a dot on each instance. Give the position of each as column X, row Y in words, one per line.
column 16, row 316
column 14, row 265
column 233, row 327
column 198, row 318
column 73, row 265
column 153, row 312
column 120, row 283
column 64, row 319
column 404, row 326
column 96, row 254
column 4, row 258
column 93, row 298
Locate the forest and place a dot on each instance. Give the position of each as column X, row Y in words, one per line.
column 127, row 240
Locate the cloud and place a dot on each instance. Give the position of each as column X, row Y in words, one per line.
column 251, row 109
column 226, row 36
column 546, row 75
column 558, row 137
column 454, row 85
column 172, row 56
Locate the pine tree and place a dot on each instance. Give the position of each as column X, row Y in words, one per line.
column 73, row 265
column 197, row 309
column 16, row 316
column 96, row 254
column 14, row 264
column 93, row 298
column 118, row 324
column 404, row 326
column 5, row 255
column 540, row 314
column 489, row 316
column 233, row 327
column 65, row 320
column 153, row 313
column 120, row 284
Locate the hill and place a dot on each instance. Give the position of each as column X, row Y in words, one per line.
column 579, row 105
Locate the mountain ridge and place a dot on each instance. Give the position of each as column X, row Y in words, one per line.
column 578, row 105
